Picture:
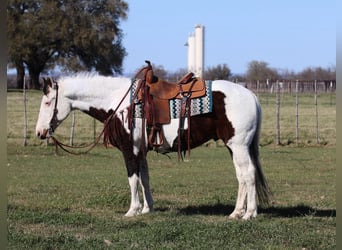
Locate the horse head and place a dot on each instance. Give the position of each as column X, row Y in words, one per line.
column 53, row 109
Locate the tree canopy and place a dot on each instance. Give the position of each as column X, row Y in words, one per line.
column 260, row 71
column 79, row 35
column 221, row 71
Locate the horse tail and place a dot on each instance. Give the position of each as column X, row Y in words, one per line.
column 263, row 191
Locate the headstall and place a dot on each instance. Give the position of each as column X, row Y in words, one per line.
column 54, row 121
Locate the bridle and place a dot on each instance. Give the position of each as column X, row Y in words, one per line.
column 54, row 121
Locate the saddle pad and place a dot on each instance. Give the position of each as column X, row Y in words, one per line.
column 201, row 105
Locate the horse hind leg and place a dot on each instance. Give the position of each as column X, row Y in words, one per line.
column 246, row 206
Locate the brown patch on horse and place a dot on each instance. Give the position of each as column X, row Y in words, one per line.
column 214, row 125
column 99, row 114
column 116, row 135
column 114, row 131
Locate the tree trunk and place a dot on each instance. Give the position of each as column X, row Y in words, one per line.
column 34, row 79
column 19, row 65
column 34, row 71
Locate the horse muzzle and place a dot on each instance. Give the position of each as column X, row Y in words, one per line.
column 44, row 134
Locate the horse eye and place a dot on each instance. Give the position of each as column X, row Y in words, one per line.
column 47, row 103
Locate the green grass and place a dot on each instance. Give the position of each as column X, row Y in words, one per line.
column 78, row 202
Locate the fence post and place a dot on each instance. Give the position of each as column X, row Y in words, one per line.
column 267, row 85
column 297, row 115
column 257, row 88
column 72, row 130
column 331, row 92
column 316, row 111
column 25, row 113
column 94, row 130
column 278, row 113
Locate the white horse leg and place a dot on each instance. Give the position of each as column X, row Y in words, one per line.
column 245, row 173
column 251, row 192
column 135, row 206
column 239, row 210
column 145, row 186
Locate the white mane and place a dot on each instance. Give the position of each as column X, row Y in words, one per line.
column 85, row 81
column 94, row 89
column 84, row 74
column 91, row 78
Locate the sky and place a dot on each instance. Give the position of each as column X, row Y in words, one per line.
column 287, row 34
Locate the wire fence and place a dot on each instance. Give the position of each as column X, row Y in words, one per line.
column 290, row 116
column 300, row 117
column 293, row 86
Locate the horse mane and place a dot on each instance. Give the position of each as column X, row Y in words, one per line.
column 92, row 78
column 79, row 75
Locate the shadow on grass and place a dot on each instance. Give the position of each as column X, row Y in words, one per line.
column 286, row 212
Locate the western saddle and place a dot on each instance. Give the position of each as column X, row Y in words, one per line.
column 154, row 95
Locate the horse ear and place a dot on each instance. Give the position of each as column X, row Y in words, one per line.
column 47, row 85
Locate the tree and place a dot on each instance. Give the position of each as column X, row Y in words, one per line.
column 85, row 34
column 219, row 72
column 317, row 73
column 177, row 75
column 259, row 71
column 286, row 74
column 160, row 71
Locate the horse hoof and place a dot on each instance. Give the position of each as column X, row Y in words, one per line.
column 233, row 217
column 249, row 215
column 147, row 210
column 132, row 213
column 236, row 215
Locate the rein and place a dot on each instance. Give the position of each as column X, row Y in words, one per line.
column 65, row 147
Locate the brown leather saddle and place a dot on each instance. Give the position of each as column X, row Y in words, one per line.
column 155, row 93
column 161, row 91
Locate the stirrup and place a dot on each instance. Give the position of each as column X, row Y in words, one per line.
column 153, row 136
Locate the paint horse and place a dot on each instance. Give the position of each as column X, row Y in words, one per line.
column 235, row 119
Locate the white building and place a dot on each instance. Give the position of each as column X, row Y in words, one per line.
column 195, row 45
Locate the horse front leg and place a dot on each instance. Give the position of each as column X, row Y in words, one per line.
column 135, row 206
column 137, row 170
column 132, row 167
column 145, row 186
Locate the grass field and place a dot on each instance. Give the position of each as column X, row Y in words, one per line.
column 78, row 202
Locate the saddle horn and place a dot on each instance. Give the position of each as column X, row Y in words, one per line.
column 145, row 70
